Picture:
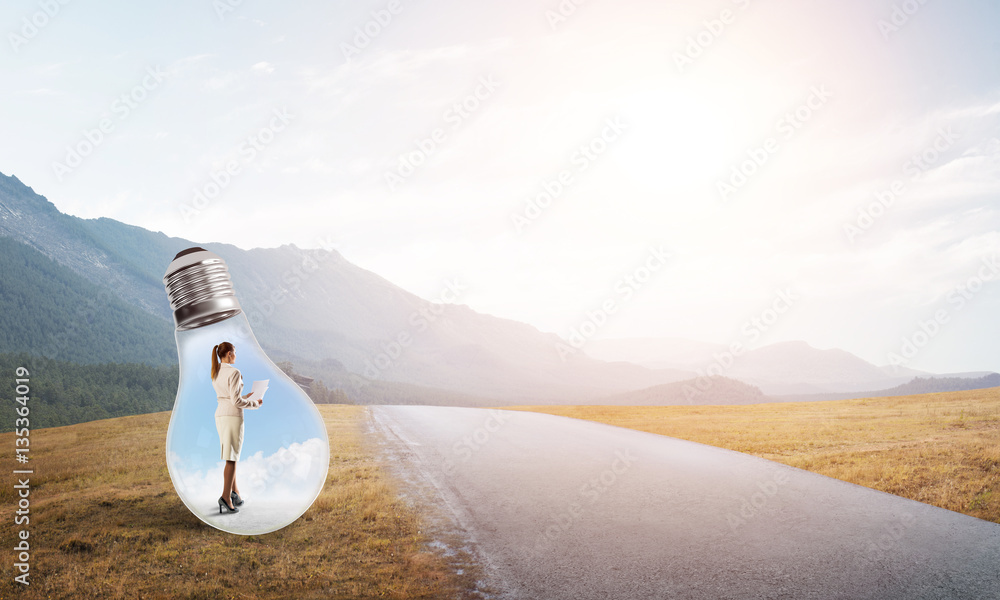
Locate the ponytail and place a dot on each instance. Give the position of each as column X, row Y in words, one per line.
column 218, row 352
column 215, row 362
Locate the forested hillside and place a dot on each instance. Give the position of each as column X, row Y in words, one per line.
column 64, row 393
column 48, row 310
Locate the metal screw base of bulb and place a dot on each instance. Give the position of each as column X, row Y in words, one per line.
column 199, row 289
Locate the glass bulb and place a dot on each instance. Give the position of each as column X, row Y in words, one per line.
column 285, row 454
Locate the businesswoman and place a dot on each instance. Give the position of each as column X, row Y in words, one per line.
column 228, row 384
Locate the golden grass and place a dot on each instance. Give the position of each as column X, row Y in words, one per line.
column 107, row 523
column 941, row 449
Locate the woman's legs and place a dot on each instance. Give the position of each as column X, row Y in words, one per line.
column 228, row 478
column 232, row 478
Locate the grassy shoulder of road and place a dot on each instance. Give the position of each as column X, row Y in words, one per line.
column 107, row 523
column 941, row 449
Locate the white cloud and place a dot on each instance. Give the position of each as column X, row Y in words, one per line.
column 221, row 82
column 285, row 476
column 263, row 67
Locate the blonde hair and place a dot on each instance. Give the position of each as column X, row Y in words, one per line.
column 218, row 352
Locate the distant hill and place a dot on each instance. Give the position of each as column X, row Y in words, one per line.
column 918, row 385
column 781, row 368
column 655, row 353
column 703, row 391
column 725, row 390
column 927, row 385
column 790, row 367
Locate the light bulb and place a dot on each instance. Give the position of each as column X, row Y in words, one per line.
column 285, row 454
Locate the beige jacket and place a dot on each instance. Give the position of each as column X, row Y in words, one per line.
column 229, row 388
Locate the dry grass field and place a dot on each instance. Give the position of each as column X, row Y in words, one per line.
column 940, row 449
column 107, row 523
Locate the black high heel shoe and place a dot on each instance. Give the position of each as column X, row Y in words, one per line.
column 237, row 501
column 222, row 504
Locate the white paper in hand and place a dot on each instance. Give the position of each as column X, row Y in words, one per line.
column 258, row 389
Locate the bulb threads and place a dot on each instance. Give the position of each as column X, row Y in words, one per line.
column 199, row 289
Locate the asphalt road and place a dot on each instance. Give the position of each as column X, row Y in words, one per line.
column 554, row 507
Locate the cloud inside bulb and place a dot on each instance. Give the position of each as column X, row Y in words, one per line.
column 279, row 477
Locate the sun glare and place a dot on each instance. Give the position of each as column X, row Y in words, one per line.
column 675, row 140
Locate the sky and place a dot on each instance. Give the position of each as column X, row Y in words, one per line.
column 652, row 169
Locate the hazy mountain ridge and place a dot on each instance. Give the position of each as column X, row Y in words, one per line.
column 782, row 368
column 700, row 391
column 917, row 385
column 86, row 247
column 357, row 331
column 308, row 305
column 789, row 367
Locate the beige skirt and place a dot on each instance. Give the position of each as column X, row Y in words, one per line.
column 230, row 435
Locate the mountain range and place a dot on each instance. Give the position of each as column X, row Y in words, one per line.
column 91, row 291
column 782, row 368
column 335, row 321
